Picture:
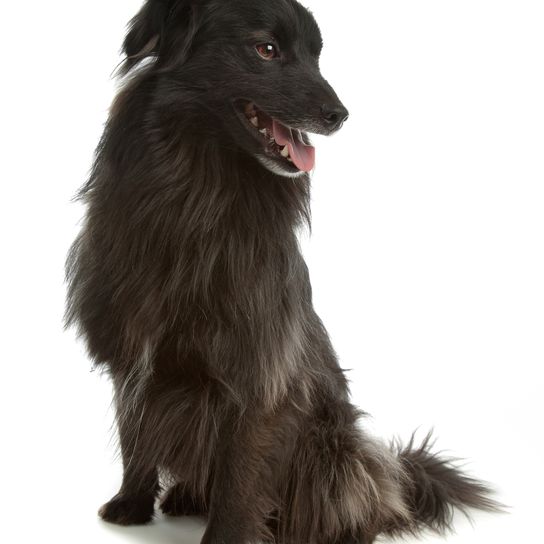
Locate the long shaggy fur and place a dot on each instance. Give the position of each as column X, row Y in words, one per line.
column 189, row 289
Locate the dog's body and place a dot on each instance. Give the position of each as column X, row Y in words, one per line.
column 188, row 285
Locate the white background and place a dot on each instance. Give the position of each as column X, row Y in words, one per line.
column 426, row 255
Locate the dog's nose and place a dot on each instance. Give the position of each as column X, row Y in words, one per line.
column 334, row 115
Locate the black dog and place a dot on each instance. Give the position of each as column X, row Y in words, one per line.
column 188, row 285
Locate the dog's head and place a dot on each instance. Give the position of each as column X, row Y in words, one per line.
column 252, row 67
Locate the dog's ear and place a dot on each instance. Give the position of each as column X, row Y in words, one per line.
column 157, row 27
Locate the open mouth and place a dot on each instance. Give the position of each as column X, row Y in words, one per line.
column 287, row 146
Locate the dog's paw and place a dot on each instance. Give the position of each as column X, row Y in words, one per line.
column 123, row 510
column 179, row 502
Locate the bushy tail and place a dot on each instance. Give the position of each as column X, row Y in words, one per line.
column 435, row 487
column 344, row 486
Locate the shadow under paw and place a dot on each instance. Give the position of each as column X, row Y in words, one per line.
column 124, row 510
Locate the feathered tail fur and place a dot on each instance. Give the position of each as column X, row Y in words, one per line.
column 435, row 487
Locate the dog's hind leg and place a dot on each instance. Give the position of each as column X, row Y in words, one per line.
column 179, row 501
column 343, row 487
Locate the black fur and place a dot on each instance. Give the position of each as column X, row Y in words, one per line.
column 189, row 288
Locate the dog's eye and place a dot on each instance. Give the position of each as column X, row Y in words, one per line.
column 267, row 51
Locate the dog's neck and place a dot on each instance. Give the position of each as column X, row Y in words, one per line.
column 183, row 193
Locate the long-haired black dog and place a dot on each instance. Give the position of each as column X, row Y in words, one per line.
column 188, row 285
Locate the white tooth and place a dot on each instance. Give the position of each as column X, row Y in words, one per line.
column 254, row 121
column 263, row 131
column 285, row 152
column 289, row 159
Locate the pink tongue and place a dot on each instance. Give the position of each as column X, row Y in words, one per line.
column 303, row 155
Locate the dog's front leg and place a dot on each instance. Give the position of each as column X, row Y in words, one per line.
column 242, row 492
column 134, row 504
